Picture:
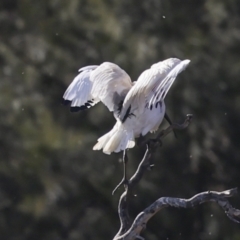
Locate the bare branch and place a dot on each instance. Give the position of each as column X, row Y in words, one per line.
column 144, row 165
column 141, row 220
column 123, row 214
column 177, row 126
column 151, row 147
column 127, row 232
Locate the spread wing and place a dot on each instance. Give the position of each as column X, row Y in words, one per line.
column 111, row 85
column 107, row 83
column 78, row 94
column 152, row 86
column 168, row 71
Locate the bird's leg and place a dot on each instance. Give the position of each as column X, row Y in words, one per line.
column 170, row 123
column 124, row 181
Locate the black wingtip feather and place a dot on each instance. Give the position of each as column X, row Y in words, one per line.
column 66, row 102
column 77, row 109
column 87, row 105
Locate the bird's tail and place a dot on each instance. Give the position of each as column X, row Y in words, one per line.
column 118, row 139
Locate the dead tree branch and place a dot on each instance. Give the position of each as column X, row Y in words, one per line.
column 132, row 231
column 220, row 198
column 144, row 165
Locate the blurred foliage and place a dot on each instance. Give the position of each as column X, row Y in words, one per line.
column 52, row 185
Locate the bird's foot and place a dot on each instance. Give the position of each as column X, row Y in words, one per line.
column 154, row 141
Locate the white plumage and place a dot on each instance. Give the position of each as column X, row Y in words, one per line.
column 107, row 83
column 138, row 108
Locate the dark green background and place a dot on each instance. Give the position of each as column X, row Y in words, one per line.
column 52, row 185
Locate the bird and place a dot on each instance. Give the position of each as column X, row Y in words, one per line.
column 143, row 108
column 138, row 106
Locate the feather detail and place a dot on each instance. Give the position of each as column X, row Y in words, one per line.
column 118, row 139
column 107, row 83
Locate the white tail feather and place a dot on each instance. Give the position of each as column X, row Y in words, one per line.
column 116, row 140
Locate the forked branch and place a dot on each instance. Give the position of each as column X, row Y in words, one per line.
column 144, row 165
column 132, row 231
